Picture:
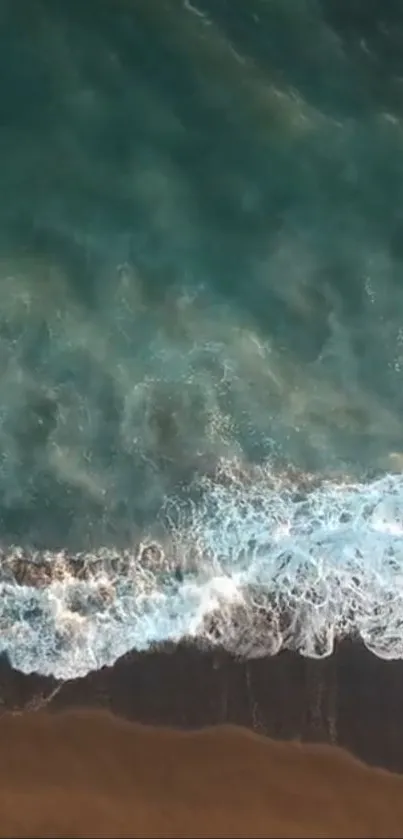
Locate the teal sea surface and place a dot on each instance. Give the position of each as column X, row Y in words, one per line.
column 201, row 327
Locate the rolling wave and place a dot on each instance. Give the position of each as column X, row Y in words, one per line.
column 260, row 562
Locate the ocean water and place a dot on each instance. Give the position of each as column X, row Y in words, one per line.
column 201, row 327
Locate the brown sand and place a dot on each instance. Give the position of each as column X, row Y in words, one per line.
column 88, row 774
column 351, row 699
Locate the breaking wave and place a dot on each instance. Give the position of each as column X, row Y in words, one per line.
column 259, row 562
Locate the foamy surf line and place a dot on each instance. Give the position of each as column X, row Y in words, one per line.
column 260, row 562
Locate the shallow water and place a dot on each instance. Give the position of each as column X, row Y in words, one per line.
column 200, row 274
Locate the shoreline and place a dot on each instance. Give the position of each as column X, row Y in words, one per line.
column 351, row 699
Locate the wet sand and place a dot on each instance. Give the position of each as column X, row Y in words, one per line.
column 351, row 699
column 77, row 759
column 92, row 774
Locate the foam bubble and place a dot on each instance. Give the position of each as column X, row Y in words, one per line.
column 330, row 557
column 262, row 561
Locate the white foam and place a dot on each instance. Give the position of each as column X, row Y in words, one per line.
column 331, row 558
column 268, row 562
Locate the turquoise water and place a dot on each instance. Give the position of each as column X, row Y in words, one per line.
column 201, row 325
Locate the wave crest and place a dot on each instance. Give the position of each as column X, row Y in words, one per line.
column 260, row 562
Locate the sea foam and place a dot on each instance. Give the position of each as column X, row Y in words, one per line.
column 260, row 561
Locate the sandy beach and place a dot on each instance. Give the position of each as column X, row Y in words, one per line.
column 351, row 699
column 90, row 774
column 186, row 743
